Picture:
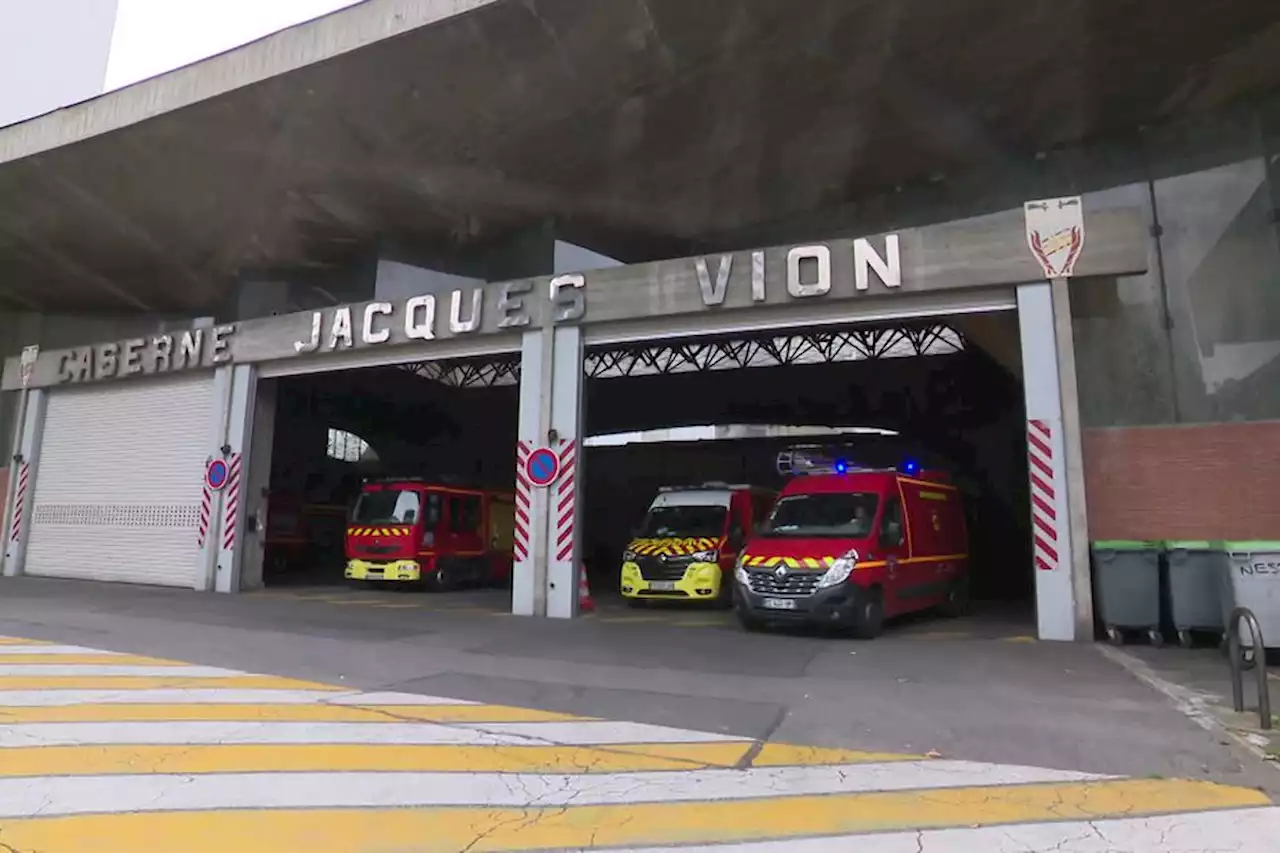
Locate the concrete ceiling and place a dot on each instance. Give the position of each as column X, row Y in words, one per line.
column 640, row 126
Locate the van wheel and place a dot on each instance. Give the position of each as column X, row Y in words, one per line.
column 868, row 619
column 725, row 600
column 957, row 603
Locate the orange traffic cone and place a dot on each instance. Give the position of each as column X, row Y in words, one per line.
column 585, row 603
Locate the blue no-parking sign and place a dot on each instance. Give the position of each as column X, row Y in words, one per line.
column 542, row 467
column 216, row 474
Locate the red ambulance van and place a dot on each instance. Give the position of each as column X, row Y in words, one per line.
column 850, row 547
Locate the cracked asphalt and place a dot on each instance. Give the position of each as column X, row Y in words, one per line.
column 161, row 719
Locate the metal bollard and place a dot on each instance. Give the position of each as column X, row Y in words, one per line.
column 1259, row 660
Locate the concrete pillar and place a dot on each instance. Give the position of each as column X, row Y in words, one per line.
column 211, row 501
column 237, row 529
column 257, row 484
column 1052, row 546
column 26, row 468
column 546, row 579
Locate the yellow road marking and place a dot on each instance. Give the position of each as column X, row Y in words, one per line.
column 479, row 829
column 18, row 641
column 266, row 713
column 149, row 682
column 389, row 758
column 96, row 660
column 787, row 755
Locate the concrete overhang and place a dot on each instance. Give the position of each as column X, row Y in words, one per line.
column 642, row 126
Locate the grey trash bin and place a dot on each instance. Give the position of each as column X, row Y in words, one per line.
column 1252, row 580
column 1195, row 587
column 1127, row 580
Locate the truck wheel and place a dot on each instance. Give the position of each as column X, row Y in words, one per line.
column 957, row 603
column 442, row 580
column 868, row 619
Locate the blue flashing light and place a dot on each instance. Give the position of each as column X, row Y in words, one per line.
column 911, row 466
column 842, row 467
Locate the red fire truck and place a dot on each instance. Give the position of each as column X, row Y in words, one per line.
column 849, row 547
column 413, row 531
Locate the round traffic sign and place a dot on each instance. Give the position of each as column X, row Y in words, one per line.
column 216, row 474
column 542, row 466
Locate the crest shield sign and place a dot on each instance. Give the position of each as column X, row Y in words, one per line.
column 1055, row 233
column 27, row 364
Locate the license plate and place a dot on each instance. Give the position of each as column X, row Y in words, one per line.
column 780, row 603
column 663, row 586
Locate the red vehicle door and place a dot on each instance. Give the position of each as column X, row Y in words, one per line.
column 895, row 550
column 461, row 549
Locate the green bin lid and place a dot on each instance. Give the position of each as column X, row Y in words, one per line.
column 1193, row 545
column 1126, row 545
column 1253, row 546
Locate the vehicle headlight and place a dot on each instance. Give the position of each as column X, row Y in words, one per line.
column 628, row 556
column 840, row 570
column 706, row 556
column 741, row 574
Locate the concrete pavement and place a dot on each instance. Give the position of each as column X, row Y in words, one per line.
column 115, row 751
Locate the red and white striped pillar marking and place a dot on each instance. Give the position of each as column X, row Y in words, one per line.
column 20, row 500
column 1044, row 513
column 233, row 502
column 566, row 501
column 520, row 539
column 206, row 510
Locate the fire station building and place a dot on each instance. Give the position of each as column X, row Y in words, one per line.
column 1040, row 242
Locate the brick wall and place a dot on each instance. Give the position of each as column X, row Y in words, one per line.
column 1210, row 481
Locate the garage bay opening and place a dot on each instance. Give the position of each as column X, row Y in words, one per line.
column 395, row 478
column 678, row 424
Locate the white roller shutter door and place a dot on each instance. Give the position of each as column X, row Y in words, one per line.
column 118, row 487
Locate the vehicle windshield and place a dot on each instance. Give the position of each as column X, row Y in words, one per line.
column 664, row 522
column 843, row 515
column 389, row 506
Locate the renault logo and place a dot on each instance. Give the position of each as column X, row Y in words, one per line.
column 662, row 558
column 780, row 572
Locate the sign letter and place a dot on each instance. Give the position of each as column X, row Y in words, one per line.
column 367, row 334
column 821, row 255
column 713, row 293
column 133, row 356
column 456, row 324
column 511, row 305
column 189, row 349
column 341, row 328
column 424, row 330
column 317, row 317
column 162, row 353
column 219, row 344
column 571, row 305
column 888, row 268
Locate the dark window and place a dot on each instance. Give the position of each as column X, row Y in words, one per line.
column 891, row 532
column 388, row 506
column 841, row 515
column 464, row 514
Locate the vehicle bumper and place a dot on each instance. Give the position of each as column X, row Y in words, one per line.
column 837, row 605
column 392, row 570
column 701, row 582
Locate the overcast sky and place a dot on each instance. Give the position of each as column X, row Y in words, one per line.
column 155, row 36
